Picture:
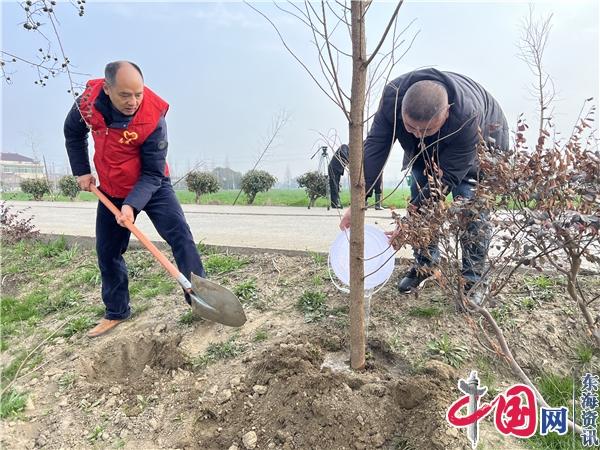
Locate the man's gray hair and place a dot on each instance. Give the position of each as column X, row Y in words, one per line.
column 111, row 69
column 424, row 100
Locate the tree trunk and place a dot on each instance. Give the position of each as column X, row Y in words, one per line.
column 357, row 187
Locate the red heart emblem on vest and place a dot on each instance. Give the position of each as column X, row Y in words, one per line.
column 128, row 136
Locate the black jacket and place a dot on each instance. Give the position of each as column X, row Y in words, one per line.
column 153, row 151
column 340, row 159
column 472, row 109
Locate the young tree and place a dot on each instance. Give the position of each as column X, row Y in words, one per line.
column 68, row 186
column 329, row 26
column 315, row 184
column 256, row 181
column 201, row 183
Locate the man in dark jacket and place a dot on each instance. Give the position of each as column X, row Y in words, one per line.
column 127, row 122
column 336, row 168
column 438, row 118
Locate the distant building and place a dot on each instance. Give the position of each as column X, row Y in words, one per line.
column 15, row 168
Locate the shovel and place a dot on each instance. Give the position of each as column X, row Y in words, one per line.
column 209, row 300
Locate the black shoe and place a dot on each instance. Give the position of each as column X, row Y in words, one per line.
column 414, row 279
column 338, row 206
column 188, row 299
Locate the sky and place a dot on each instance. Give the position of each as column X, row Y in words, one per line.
column 227, row 76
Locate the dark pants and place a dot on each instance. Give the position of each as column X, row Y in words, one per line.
column 112, row 240
column 475, row 240
column 334, row 187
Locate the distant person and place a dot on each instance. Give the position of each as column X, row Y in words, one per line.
column 437, row 117
column 337, row 166
column 127, row 123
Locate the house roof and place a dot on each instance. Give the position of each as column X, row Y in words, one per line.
column 15, row 157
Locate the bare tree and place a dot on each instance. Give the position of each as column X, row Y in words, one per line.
column 532, row 45
column 332, row 26
column 278, row 122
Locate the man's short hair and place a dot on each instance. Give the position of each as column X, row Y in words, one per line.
column 111, row 69
column 424, row 100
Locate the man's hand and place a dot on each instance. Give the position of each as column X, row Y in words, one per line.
column 345, row 222
column 126, row 215
column 84, row 181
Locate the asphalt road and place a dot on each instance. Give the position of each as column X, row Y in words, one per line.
column 268, row 227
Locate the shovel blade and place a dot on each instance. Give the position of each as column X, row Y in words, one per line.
column 216, row 303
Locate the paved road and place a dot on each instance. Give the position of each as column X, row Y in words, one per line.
column 270, row 227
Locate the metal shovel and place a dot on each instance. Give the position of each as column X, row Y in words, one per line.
column 209, row 300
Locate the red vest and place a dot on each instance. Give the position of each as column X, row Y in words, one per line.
column 117, row 150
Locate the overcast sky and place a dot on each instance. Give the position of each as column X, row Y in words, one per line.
column 226, row 74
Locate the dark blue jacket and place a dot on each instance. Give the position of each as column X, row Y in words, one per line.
column 153, row 151
column 472, row 108
column 340, row 159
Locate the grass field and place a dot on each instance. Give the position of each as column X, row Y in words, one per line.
column 274, row 197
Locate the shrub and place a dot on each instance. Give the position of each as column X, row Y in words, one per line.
column 315, row 184
column 35, row 187
column 201, row 183
column 13, row 227
column 257, row 181
column 68, row 186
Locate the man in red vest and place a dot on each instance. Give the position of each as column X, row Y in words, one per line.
column 127, row 122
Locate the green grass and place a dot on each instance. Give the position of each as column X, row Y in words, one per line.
column 218, row 264
column 584, row 354
column 312, row 304
column 260, row 336
column 78, row 325
column 426, row 311
column 151, row 285
column 21, row 313
column 318, row 258
column 12, row 403
column 186, row 318
column 247, row 292
column 85, row 276
column 557, row 391
column 218, row 351
column 452, row 354
column 274, row 197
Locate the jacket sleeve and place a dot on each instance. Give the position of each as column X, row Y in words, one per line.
column 76, row 142
column 153, row 154
column 379, row 142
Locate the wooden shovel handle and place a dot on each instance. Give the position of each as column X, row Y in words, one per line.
column 141, row 236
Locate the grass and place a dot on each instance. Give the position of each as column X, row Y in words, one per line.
column 187, row 318
column 584, row 354
column 218, row 264
column 260, row 336
column 22, row 313
column 66, row 381
column 85, row 276
column 318, row 258
column 528, row 303
column 312, row 304
column 557, row 391
column 246, row 291
column 78, row 325
column 426, row 312
column 218, row 351
column 452, row 354
column 95, row 433
column 151, row 285
column 274, row 197
column 12, row 403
